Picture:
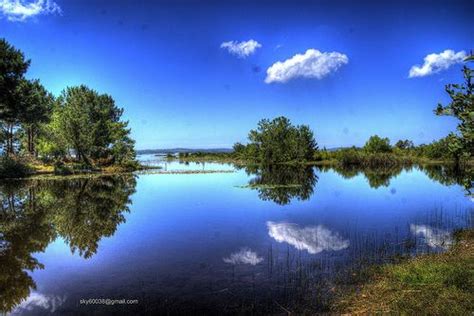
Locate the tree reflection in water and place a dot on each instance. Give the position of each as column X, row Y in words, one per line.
column 376, row 177
column 450, row 175
column 34, row 213
column 282, row 183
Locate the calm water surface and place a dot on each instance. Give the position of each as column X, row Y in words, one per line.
column 249, row 241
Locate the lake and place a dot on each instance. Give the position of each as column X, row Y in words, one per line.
column 266, row 240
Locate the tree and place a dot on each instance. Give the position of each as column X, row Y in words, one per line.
column 90, row 124
column 279, row 141
column 462, row 108
column 404, row 144
column 13, row 67
column 35, row 109
column 376, row 144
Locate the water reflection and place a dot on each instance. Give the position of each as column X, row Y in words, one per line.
column 282, row 183
column 34, row 213
column 244, row 256
column 433, row 237
column 313, row 239
column 47, row 303
column 449, row 175
column 180, row 250
column 379, row 177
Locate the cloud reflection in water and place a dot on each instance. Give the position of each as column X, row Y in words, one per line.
column 244, row 256
column 434, row 237
column 313, row 239
column 37, row 300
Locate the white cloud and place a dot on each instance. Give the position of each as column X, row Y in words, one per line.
column 21, row 10
column 313, row 239
column 434, row 63
column 433, row 237
column 311, row 64
column 241, row 49
column 244, row 256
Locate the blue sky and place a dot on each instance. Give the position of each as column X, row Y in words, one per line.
column 164, row 64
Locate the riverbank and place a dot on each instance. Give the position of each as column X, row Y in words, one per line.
column 433, row 284
column 14, row 168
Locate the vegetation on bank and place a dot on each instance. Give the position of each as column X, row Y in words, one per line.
column 81, row 130
column 434, row 284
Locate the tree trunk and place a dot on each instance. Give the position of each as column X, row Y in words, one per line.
column 10, row 139
column 31, row 141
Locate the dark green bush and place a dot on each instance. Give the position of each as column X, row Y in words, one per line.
column 60, row 168
column 13, row 168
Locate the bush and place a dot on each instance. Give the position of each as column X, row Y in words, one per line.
column 13, row 168
column 354, row 157
column 320, row 155
column 60, row 168
column 376, row 144
column 349, row 157
column 130, row 165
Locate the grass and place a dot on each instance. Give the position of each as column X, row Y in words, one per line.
column 434, row 284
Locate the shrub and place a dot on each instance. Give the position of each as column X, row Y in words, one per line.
column 13, row 168
column 130, row 165
column 60, row 168
column 349, row 157
column 376, row 144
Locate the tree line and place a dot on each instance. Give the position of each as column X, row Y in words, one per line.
column 80, row 125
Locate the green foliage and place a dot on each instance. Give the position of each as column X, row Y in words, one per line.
column 13, row 67
column 404, row 144
column 321, row 155
column 183, row 155
column 60, row 168
column 445, row 148
column 376, row 144
column 462, row 108
column 36, row 107
column 81, row 121
column 12, row 168
column 349, row 156
column 89, row 123
column 278, row 141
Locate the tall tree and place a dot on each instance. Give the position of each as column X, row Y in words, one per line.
column 91, row 125
column 462, row 108
column 13, row 67
column 35, row 109
column 278, row 141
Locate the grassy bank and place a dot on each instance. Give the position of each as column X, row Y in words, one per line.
column 18, row 168
column 434, row 284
